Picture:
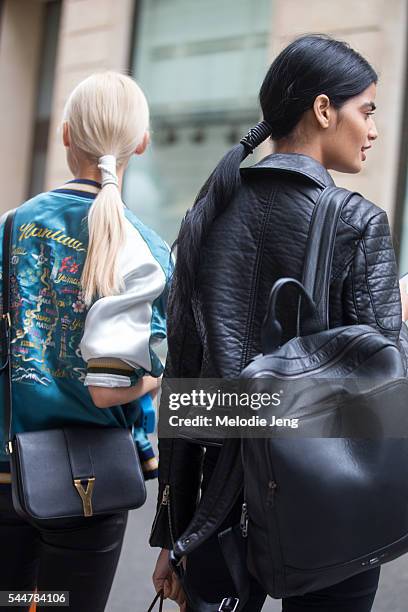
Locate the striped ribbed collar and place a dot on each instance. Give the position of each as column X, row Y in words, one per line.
column 84, row 188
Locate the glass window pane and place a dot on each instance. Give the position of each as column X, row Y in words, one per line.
column 201, row 66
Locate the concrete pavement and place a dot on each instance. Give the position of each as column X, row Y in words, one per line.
column 132, row 590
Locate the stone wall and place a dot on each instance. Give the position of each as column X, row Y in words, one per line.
column 378, row 29
column 95, row 35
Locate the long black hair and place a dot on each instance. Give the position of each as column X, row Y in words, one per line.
column 311, row 65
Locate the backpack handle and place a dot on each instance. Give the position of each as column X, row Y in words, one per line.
column 313, row 308
column 271, row 335
column 160, row 598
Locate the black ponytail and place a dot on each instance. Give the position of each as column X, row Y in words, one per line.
column 309, row 66
column 211, row 200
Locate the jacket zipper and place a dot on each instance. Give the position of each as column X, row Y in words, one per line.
column 165, row 502
column 165, row 496
column 250, row 321
column 328, row 364
column 243, row 523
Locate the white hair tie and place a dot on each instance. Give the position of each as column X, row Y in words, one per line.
column 107, row 166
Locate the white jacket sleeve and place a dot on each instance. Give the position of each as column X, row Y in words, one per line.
column 121, row 330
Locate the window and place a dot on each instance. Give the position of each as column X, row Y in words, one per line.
column 201, row 66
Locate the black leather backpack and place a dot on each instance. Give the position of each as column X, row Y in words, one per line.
column 332, row 501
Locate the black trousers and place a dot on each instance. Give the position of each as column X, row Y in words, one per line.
column 207, row 573
column 76, row 555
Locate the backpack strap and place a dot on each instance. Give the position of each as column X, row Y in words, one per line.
column 319, row 253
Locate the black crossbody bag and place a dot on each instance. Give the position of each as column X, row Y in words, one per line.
column 67, row 472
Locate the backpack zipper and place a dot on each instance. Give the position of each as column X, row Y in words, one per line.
column 270, row 499
column 273, row 531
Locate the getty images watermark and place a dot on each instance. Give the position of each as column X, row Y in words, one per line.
column 218, row 401
column 270, row 407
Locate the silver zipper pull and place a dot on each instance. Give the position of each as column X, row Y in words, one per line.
column 165, row 496
column 244, row 520
column 271, row 492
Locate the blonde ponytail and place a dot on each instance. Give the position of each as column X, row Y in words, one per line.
column 108, row 117
column 106, row 223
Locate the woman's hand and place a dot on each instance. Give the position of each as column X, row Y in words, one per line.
column 106, row 397
column 156, row 389
column 165, row 579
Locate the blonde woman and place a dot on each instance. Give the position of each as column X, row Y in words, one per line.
column 88, row 282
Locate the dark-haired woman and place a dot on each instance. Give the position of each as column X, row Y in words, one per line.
column 247, row 229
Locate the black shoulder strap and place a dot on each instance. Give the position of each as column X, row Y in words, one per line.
column 319, row 250
column 6, row 323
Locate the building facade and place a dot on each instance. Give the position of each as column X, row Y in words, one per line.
column 201, row 64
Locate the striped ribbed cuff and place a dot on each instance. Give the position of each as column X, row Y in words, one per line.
column 110, row 372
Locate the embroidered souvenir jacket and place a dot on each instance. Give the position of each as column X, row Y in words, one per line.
column 58, row 345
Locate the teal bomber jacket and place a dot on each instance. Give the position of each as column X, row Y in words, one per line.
column 58, row 345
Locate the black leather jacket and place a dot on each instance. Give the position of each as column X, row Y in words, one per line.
column 259, row 238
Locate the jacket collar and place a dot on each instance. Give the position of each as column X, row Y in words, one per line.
column 85, row 188
column 295, row 163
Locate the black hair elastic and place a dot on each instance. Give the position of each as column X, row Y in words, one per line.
column 256, row 135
